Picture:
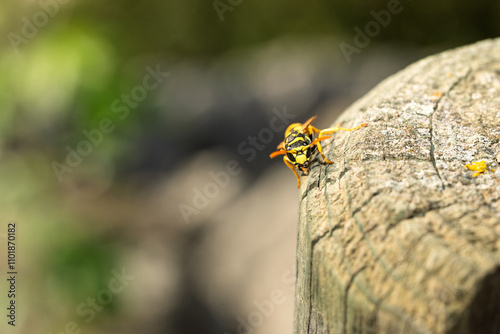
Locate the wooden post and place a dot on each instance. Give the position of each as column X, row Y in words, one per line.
column 397, row 236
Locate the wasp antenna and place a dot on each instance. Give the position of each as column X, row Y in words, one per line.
column 276, row 153
column 317, row 140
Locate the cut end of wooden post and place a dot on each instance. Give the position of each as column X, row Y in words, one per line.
column 396, row 236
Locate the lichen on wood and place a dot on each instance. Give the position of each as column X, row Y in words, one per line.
column 396, row 236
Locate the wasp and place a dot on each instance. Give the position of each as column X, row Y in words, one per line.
column 300, row 145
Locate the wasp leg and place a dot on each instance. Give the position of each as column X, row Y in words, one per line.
column 316, row 130
column 335, row 129
column 287, row 162
column 322, row 133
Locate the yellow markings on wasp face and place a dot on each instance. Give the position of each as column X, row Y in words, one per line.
column 301, row 159
column 478, row 166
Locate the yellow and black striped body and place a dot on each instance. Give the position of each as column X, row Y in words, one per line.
column 300, row 145
column 297, row 144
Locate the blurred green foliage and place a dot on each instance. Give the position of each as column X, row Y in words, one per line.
column 80, row 267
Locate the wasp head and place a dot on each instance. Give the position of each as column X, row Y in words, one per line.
column 300, row 156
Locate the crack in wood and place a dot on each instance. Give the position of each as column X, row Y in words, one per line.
column 435, row 108
column 366, row 202
column 346, row 296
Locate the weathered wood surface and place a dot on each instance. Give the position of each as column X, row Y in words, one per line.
column 396, row 236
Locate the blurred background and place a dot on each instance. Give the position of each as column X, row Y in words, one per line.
column 135, row 141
